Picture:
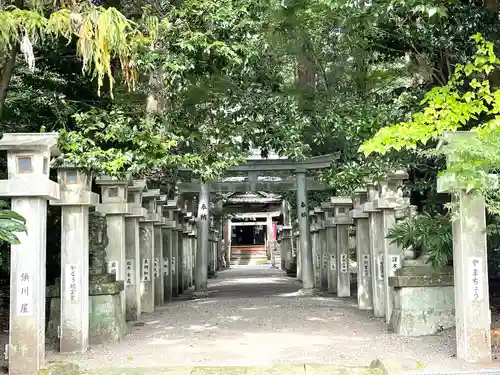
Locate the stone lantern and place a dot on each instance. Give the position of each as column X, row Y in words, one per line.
column 75, row 200
column 29, row 186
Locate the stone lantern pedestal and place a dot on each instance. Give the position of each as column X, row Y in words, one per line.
column 133, row 307
column 147, row 250
column 365, row 293
column 342, row 221
column 75, row 200
column 29, row 186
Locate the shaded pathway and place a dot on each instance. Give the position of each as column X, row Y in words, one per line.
column 253, row 318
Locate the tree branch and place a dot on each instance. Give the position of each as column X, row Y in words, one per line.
column 7, row 71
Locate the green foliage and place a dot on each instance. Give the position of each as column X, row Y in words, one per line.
column 102, row 34
column 10, row 224
column 113, row 142
column 425, row 234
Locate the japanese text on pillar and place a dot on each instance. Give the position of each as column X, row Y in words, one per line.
column 343, row 263
column 73, row 282
column 129, row 272
column 366, row 265
column 476, row 281
column 157, row 267
column 24, row 294
column 146, row 270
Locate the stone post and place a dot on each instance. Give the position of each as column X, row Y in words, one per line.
column 114, row 195
column 287, row 250
column 159, row 289
column 211, row 243
column 331, row 245
column 215, row 243
column 180, row 252
column 193, row 238
column 169, row 250
column 133, row 308
column 342, row 220
column 307, row 266
column 470, row 267
column 322, row 247
column 229, row 240
column 167, row 277
column 75, row 200
column 147, row 240
column 296, row 242
column 376, row 236
column 28, row 158
column 387, row 202
column 360, row 217
column 187, row 249
column 269, row 238
column 313, row 227
column 201, row 274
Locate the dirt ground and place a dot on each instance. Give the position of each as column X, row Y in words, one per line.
column 253, row 317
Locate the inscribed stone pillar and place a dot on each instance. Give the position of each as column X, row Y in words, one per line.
column 114, row 195
column 203, row 240
column 229, row 239
column 313, row 220
column 322, row 247
column 28, row 157
column 342, row 220
column 388, row 202
column 170, row 271
column 133, row 308
column 470, row 268
column 269, row 237
column 296, row 239
column 147, row 241
column 307, row 266
column 180, row 252
column 194, row 242
column 167, row 277
column 187, row 249
column 159, row 288
column 376, row 236
column 75, row 200
column 331, row 249
column 211, row 271
column 173, row 260
column 364, row 286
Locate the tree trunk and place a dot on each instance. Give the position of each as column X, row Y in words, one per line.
column 7, row 71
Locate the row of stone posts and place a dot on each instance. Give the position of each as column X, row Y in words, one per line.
column 135, row 252
column 414, row 298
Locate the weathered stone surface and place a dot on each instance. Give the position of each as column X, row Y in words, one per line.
column 436, row 280
column 423, row 270
column 423, row 310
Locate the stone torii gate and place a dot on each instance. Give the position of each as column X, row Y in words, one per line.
column 253, row 167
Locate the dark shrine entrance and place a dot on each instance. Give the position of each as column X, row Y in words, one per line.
column 248, row 235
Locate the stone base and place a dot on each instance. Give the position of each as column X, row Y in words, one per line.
column 313, row 292
column 201, row 294
column 106, row 318
column 290, row 268
column 424, row 304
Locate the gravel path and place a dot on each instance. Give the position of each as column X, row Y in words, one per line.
column 253, row 318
